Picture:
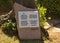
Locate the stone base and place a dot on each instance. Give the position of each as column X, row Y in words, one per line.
column 28, row 33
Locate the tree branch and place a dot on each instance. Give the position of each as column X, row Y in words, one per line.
column 5, row 16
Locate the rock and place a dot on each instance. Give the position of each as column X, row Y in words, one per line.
column 53, row 31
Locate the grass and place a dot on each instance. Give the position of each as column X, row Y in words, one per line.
column 6, row 39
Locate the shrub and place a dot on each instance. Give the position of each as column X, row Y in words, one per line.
column 9, row 25
column 42, row 11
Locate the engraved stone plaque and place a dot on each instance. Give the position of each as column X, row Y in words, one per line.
column 28, row 19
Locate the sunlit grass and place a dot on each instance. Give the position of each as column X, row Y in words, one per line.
column 6, row 39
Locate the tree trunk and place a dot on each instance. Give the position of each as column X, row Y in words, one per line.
column 26, row 3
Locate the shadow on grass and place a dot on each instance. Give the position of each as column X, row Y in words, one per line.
column 10, row 32
column 45, row 34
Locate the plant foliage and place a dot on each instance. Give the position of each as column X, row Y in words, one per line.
column 50, row 7
column 9, row 24
column 42, row 11
column 53, row 7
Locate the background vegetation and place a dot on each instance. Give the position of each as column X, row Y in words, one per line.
column 49, row 9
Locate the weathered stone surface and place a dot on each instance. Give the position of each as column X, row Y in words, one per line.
column 26, row 33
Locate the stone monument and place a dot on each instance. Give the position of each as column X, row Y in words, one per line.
column 27, row 19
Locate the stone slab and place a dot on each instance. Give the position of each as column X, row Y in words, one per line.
column 29, row 32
